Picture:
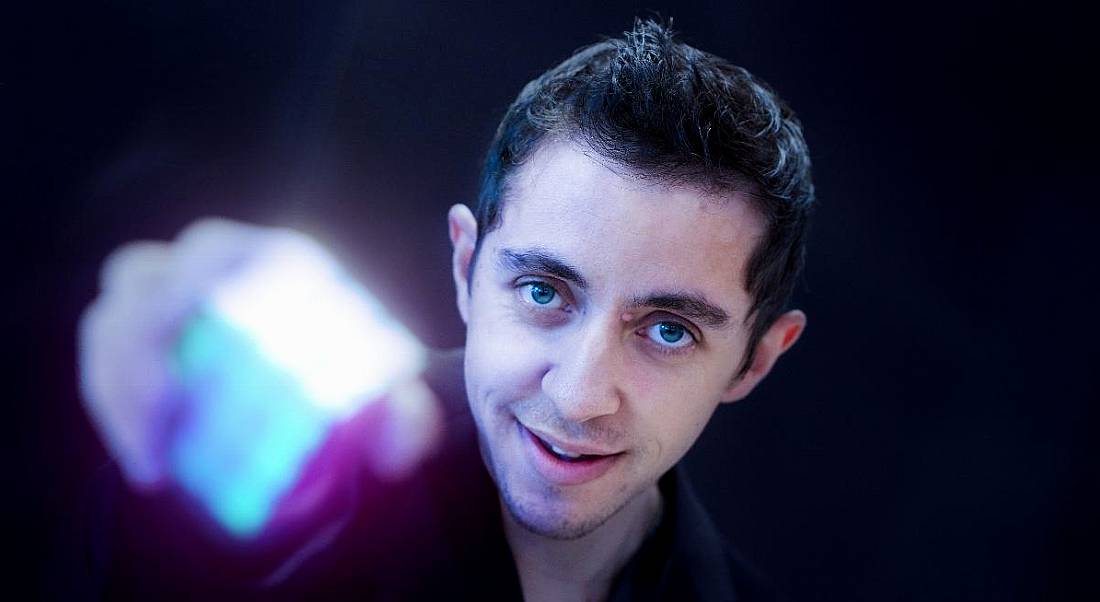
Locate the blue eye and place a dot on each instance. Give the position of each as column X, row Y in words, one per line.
column 670, row 334
column 542, row 294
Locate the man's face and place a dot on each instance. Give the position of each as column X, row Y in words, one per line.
column 605, row 320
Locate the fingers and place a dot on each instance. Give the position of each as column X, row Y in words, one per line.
column 208, row 250
column 215, row 237
column 411, row 432
column 148, row 288
column 115, row 379
column 137, row 265
column 122, row 383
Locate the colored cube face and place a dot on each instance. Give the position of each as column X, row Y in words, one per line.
column 280, row 353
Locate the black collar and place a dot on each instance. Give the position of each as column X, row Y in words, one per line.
column 683, row 558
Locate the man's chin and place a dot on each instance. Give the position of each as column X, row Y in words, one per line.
column 553, row 527
column 550, row 522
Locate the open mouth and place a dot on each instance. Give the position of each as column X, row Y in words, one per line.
column 565, row 467
column 563, row 455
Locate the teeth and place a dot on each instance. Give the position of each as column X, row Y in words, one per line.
column 563, row 453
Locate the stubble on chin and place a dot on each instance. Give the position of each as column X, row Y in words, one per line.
column 562, row 528
column 544, row 522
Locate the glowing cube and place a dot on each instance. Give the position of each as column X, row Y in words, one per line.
column 277, row 355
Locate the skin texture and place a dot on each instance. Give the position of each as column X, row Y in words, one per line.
column 608, row 365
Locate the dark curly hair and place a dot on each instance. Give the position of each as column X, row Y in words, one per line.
column 674, row 113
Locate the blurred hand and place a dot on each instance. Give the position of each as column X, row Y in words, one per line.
column 148, row 291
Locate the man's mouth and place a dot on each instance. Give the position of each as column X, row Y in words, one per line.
column 561, row 454
column 563, row 462
column 566, row 455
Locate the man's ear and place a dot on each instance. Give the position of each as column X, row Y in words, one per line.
column 781, row 335
column 463, row 230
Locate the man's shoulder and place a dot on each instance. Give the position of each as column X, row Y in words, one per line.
column 725, row 568
column 687, row 557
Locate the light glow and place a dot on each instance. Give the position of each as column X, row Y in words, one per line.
column 280, row 353
column 311, row 320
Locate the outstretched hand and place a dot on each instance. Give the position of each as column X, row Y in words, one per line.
column 129, row 337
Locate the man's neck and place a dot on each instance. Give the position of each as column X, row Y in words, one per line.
column 582, row 568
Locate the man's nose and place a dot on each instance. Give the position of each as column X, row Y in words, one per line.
column 583, row 381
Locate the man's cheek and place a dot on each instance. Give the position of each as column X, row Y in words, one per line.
column 673, row 411
column 505, row 362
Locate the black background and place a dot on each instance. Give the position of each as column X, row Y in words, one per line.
column 930, row 438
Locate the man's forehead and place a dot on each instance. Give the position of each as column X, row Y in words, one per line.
column 568, row 176
column 630, row 237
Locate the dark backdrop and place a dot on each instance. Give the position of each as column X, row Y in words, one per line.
column 929, row 438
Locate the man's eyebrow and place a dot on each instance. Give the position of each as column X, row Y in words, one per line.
column 540, row 260
column 690, row 305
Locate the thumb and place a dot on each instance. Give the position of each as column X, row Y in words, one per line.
column 408, row 432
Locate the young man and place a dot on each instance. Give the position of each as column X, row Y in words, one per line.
column 638, row 234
